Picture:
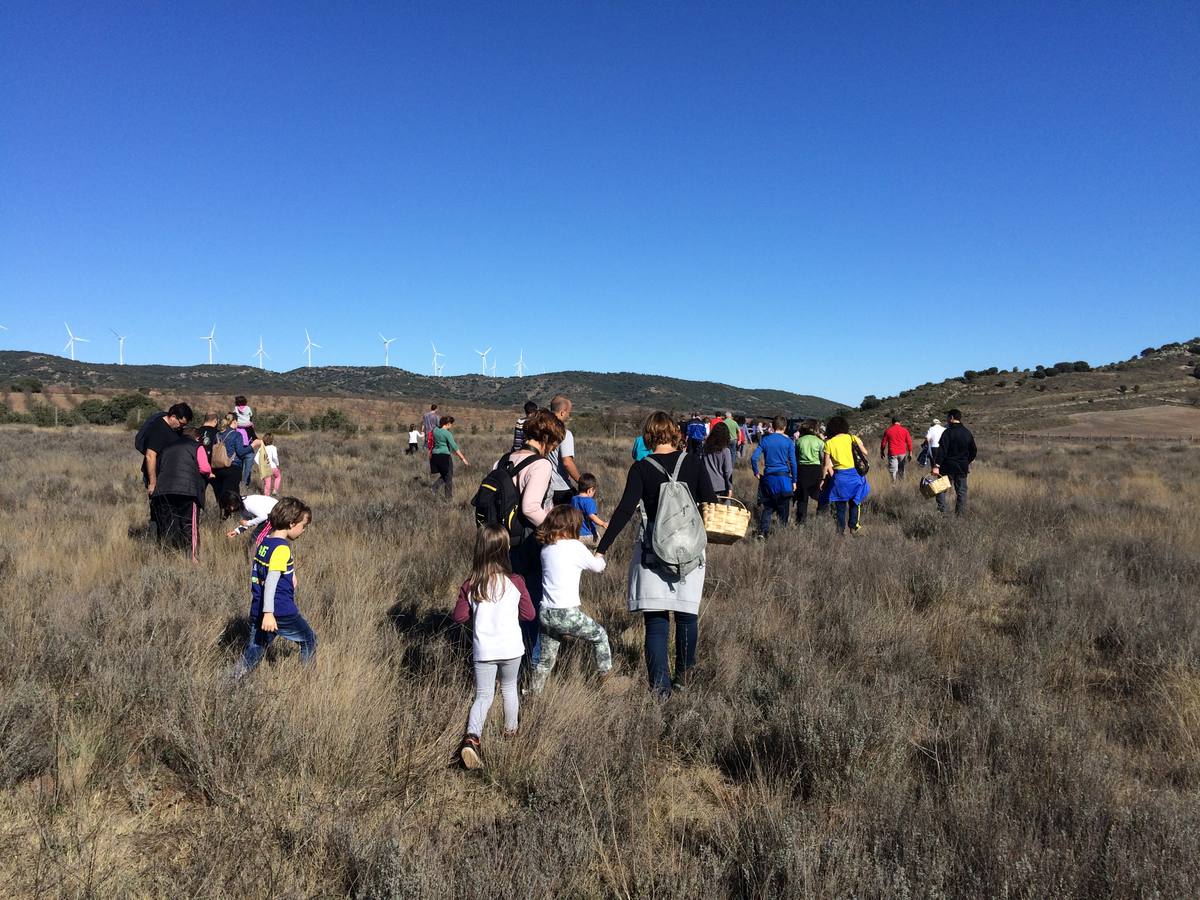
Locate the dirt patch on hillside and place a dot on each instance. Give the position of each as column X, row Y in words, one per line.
column 1148, row 421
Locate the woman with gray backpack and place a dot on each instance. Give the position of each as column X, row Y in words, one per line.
column 666, row 573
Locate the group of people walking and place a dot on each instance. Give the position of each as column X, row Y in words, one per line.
column 539, row 527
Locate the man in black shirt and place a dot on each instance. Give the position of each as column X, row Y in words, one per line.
column 953, row 457
column 161, row 430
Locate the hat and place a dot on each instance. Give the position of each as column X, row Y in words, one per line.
column 937, row 421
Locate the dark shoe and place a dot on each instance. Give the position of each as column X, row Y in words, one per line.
column 471, row 753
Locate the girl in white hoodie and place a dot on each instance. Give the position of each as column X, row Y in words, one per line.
column 495, row 602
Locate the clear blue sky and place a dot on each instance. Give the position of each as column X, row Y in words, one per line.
column 836, row 199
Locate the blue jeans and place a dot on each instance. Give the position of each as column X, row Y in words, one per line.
column 658, row 627
column 960, row 496
column 247, row 469
column 779, row 504
column 846, row 509
column 294, row 628
column 526, row 561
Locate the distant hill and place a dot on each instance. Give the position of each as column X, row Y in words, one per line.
column 588, row 390
column 1063, row 399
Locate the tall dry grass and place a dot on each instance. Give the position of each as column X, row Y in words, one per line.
column 1007, row 705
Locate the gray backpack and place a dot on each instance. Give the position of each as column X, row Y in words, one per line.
column 674, row 543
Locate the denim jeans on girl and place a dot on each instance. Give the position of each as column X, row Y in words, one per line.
column 294, row 628
column 658, row 627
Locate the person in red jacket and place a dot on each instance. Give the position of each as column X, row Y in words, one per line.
column 896, row 447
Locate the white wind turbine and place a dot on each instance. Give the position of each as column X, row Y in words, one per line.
column 71, row 339
column 260, row 353
column 483, row 354
column 387, row 345
column 211, row 337
column 308, row 347
column 520, row 367
column 437, row 369
column 493, row 368
column 120, row 347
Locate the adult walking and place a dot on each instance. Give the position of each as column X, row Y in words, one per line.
column 955, row 453
column 718, row 460
column 562, row 457
column 429, row 424
column 844, row 486
column 809, row 448
column 532, row 472
column 178, row 495
column 653, row 591
column 932, row 437
column 238, row 449
column 896, row 448
column 158, row 432
column 440, row 461
column 777, row 481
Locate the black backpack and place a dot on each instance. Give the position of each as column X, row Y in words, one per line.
column 139, row 439
column 498, row 500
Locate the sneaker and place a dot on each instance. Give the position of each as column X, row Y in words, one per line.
column 470, row 752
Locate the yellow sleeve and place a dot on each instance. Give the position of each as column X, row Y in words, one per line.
column 279, row 559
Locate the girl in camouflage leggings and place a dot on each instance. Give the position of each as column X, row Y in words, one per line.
column 564, row 559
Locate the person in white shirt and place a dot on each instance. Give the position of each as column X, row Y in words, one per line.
column 932, row 438
column 495, row 602
column 414, row 440
column 252, row 510
column 564, row 559
column 273, row 481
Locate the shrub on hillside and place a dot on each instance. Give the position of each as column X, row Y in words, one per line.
column 870, row 402
column 1149, row 351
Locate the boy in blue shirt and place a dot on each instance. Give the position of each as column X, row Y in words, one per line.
column 777, row 482
column 273, row 610
column 585, row 502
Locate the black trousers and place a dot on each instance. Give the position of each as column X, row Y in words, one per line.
column 178, row 518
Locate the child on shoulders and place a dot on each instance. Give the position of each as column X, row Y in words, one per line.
column 585, row 502
column 564, row 560
column 495, row 601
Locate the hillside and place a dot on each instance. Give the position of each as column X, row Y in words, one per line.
column 1060, row 400
column 589, row 390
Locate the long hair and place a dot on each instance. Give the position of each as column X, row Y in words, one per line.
column 717, row 440
column 490, row 564
column 837, row 425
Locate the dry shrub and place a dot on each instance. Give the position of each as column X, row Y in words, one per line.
column 1004, row 705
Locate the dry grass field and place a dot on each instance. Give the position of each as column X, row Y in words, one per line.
column 1007, row 705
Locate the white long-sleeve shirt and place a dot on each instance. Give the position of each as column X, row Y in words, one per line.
column 272, row 456
column 562, row 564
column 256, row 508
column 934, row 435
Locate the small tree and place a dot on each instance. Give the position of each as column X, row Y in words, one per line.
column 870, row 402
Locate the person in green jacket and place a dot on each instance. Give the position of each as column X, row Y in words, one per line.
column 440, row 460
column 808, row 457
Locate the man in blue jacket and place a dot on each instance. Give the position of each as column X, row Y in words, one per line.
column 777, row 481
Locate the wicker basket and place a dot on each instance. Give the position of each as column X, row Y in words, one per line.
column 724, row 522
column 931, row 487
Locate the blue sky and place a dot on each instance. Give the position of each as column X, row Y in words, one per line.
column 835, row 199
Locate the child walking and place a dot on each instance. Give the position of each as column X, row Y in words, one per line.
column 585, row 502
column 414, row 438
column 271, row 484
column 496, row 602
column 564, row 559
column 273, row 609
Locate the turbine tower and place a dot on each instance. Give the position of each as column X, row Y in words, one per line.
column 211, row 337
column 387, row 345
column 308, row 347
column 260, row 353
column 520, row 367
column 437, row 369
column 483, row 354
column 493, row 368
column 71, row 340
column 120, row 347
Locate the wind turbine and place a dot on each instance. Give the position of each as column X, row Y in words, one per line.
column 211, row 337
column 120, row 347
column 483, row 360
column 71, row 339
column 308, row 347
column 260, row 353
column 520, row 367
column 437, row 370
column 493, row 368
column 387, row 345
